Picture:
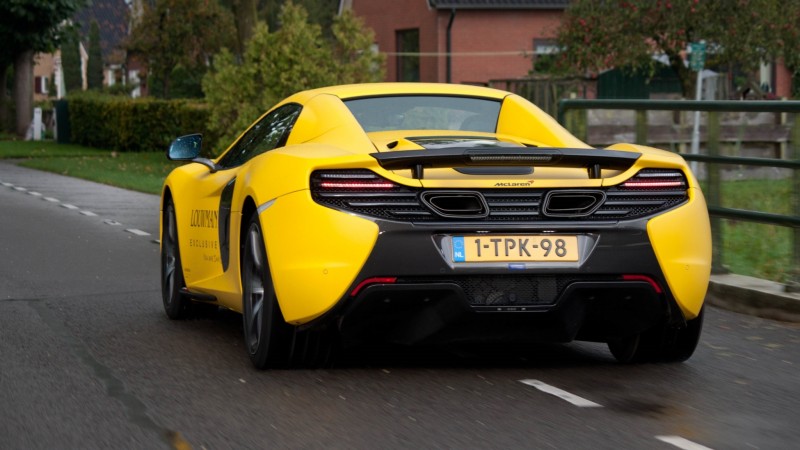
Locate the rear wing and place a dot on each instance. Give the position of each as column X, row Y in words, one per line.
column 593, row 160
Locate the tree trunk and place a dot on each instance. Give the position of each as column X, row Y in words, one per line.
column 3, row 97
column 686, row 76
column 23, row 90
column 244, row 12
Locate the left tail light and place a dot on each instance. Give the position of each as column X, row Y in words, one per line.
column 349, row 181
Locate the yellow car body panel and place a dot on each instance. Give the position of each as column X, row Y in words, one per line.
column 685, row 253
column 315, row 269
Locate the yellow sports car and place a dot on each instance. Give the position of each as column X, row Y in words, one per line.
column 433, row 213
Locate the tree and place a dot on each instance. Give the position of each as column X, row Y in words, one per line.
column 597, row 35
column 94, row 67
column 278, row 64
column 71, row 62
column 184, row 33
column 27, row 27
column 320, row 12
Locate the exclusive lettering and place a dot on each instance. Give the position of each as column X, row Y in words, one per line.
column 204, row 218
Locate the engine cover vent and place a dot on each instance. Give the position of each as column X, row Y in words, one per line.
column 572, row 203
column 456, row 204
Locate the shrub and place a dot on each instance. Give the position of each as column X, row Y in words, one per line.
column 132, row 125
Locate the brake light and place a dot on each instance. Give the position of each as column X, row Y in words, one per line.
column 653, row 283
column 373, row 280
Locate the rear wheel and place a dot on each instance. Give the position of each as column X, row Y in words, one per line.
column 172, row 282
column 660, row 344
column 268, row 338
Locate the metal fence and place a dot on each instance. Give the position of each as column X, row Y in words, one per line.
column 573, row 115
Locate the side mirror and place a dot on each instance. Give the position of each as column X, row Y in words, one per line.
column 187, row 148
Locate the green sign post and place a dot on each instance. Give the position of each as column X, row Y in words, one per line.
column 697, row 58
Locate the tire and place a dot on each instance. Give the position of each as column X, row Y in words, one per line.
column 680, row 344
column 176, row 305
column 268, row 338
column 660, row 344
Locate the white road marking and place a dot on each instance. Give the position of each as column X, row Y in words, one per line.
column 564, row 395
column 682, row 443
column 73, row 207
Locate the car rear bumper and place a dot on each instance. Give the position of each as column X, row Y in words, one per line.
column 410, row 290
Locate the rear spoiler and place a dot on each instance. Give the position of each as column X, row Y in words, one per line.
column 593, row 160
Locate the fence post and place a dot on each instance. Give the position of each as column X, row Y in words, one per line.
column 793, row 283
column 641, row 127
column 714, row 194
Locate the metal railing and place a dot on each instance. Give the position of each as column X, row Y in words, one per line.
column 713, row 159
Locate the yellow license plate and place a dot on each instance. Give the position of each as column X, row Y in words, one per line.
column 492, row 248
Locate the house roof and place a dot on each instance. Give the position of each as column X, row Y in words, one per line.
column 112, row 19
column 499, row 4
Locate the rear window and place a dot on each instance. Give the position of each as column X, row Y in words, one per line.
column 425, row 112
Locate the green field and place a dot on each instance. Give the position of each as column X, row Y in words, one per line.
column 763, row 251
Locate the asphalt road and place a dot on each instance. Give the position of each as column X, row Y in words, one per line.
column 89, row 360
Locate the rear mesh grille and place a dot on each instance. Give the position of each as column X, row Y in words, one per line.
column 648, row 192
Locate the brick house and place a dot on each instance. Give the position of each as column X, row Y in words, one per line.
column 461, row 41
column 113, row 19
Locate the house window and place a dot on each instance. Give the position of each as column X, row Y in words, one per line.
column 544, row 55
column 40, row 85
column 408, row 55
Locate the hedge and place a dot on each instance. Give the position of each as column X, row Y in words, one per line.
column 132, row 125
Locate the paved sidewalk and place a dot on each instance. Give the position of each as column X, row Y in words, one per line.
column 754, row 296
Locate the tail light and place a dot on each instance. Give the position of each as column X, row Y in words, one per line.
column 349, row 180
column 656, row 180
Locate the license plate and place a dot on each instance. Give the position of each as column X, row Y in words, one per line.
column 492, row 248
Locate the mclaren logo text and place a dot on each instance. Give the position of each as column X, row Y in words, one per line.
column 516, row 184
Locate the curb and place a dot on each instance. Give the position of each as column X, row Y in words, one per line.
column 754, row 296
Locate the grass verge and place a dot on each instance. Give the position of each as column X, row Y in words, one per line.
column 143, row 172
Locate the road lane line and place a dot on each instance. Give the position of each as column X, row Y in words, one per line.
column 34, row 193
column 88, row 213
column 68, row 206
column 20, row 189
column 7, row 184
column 137, row 232
column 682, row 443
column 564, row 395
column 52, row 200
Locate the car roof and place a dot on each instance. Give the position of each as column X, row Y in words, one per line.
column 387, row 89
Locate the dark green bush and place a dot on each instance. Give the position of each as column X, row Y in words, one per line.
column 132, row 125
